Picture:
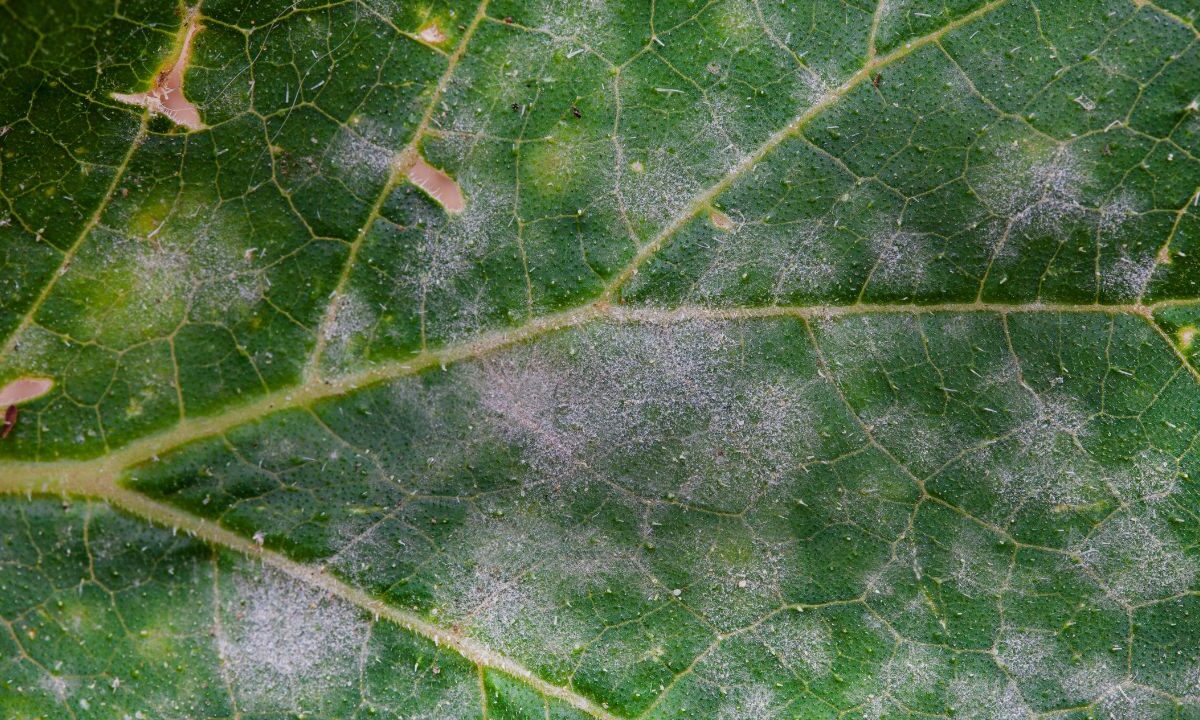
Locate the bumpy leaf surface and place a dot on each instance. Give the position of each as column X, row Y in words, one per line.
column 613, row 359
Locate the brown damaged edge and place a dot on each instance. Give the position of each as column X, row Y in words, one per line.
column 436, row 183
column 166, row 97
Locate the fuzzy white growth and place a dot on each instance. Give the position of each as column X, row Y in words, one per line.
column 902, row 258
column 583, row 21
column 351, row 318
column 792, row 255
column 756, row 702
column 913, row 670
column 288, row 645
column 625, row 390
column 520, row 571
column 1034, row 186
column 1046, row 463
column 978, row 571
column 1191, row 686
column 1131, row 702
column 361, row 158
column 730, row 588
column 982, row 699
column 1129, row 276
column 1138, row 557
column 1028, row 655
column 658, row 185
column 451, row 247
column 801, row 642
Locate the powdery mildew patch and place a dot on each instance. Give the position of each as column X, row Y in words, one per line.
column 756, row 701
column 983, row 699
column 625, row 390
column 510, row 578
column 351, row 318
column 901, row 259
column 1138, row 558
column 794, row 256
column 1033, row 185
column 801, row 641
column 288, row 645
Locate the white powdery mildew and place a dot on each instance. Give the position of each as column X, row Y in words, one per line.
column 351, row 317
column 1130, row 702
column 913, row 670
column 1029, row 656
column 730, row 593
column 1093, row 680
column 362, row 158
column 1037, row 658
column 1041, row 460
column 801, row 642
column 755, row 702
column 977, row 570
column 1191, row 686
column 1150, row 475
column 580, row 21
column 1138, row 558
column 713, row 125
column 1113, row 696
column 792, row 255
column 459, row 702
column 983, row 699
column 288, row 645
column 628, row 389
column 451, row 247
column 1034, row 187
column 518, row 572
column 901, row 259
column 657, row 184
column 1129, row 276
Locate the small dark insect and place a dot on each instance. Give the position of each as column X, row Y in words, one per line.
column 516, row 107
column 10, row 421
column 1107, row 150
column 575, row 112
column 508, row 20
column 877, row 80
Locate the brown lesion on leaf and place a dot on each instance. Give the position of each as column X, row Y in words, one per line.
column 16, row 392
column 166, row 97
column 720, row 220
column 436, row 183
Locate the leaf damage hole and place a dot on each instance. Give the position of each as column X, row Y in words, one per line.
column 166, row 97
column 23, row 390
column 437, row 184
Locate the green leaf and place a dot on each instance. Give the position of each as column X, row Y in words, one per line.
column 565, row 359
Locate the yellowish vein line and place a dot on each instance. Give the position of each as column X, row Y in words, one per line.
column 400, row 165
column 69, row 255
column 747, row 163
column 474, row 651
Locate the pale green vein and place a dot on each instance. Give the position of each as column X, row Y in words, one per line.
column 118, row 175
column 400, row 164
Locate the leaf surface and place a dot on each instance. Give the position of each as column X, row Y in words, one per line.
column 547, row 359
